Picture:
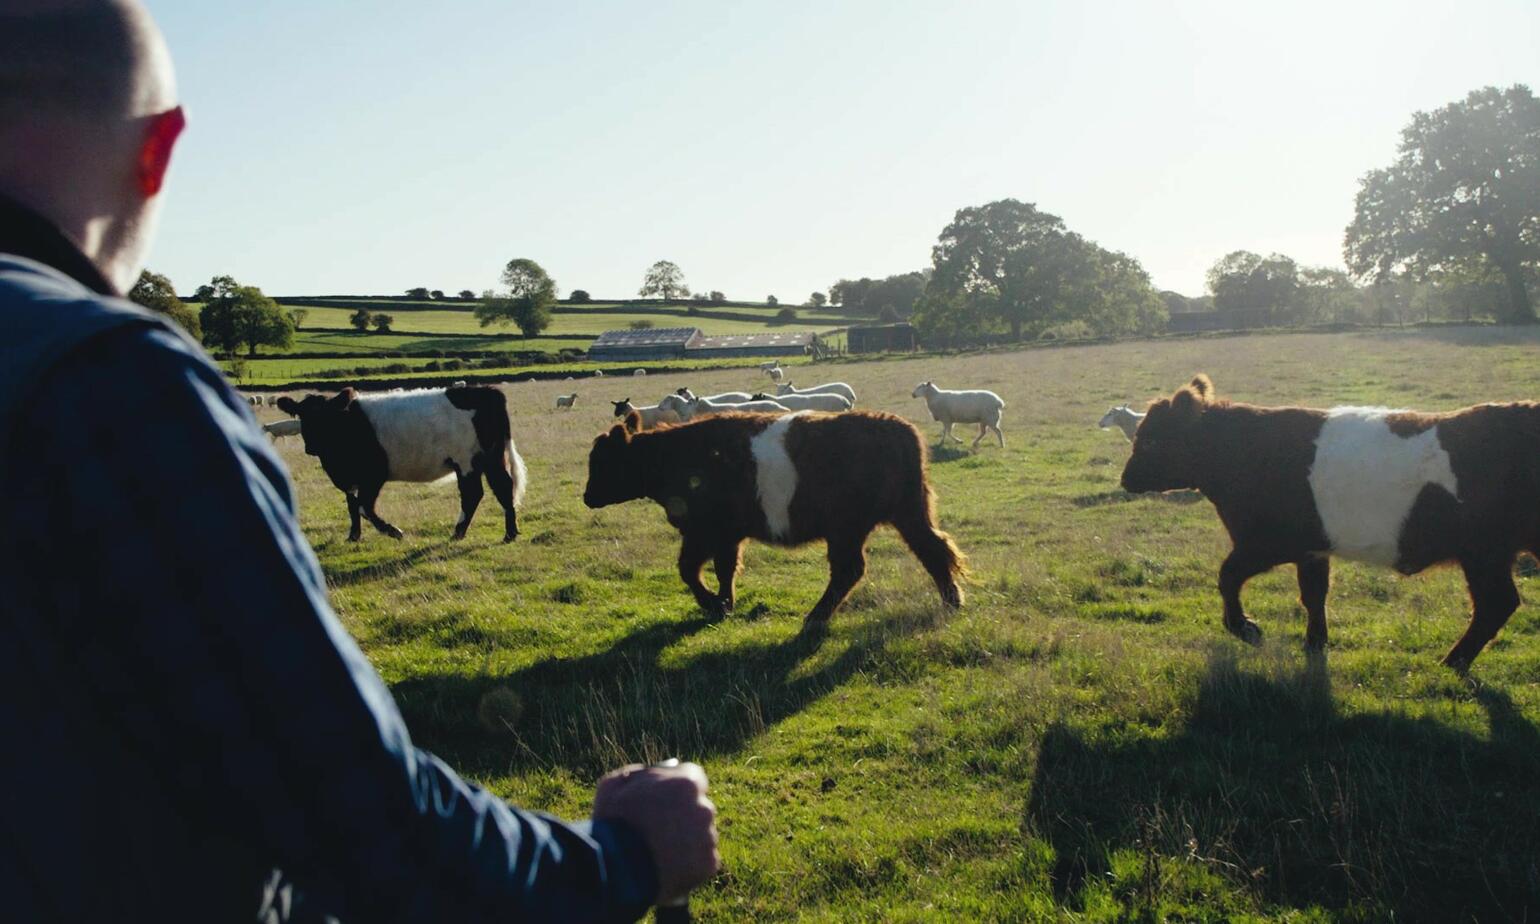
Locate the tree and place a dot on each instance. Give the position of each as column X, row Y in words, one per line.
column 155, row 292
column 360, row 319
column 237, row 315
column 870, row 296
column 579, row 297
column 664, row 280
column 772, row 301
column 1463, row 195
column 717, row 297
column 1242, row 280
column 786, row 314
column 1012, row 259
column 437, row 293
column 298, row 316
column 527, row 302
column 641, row 324
column 467, row 294
column 817, row 299
column 382, row 322
column 420, row 293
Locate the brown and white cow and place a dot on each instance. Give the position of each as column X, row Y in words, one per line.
column 784, row 479
column 1395, row 488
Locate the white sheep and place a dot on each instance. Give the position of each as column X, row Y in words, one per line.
column 566, row 401
column 1124, row 418
column 827, row 388
column 949, row 407
column 766, row 367
column 640, row 372
column 726, row 397
column 652, row 414
column 776, row 373
column 704, row 407
column 281, row 428
column 599, row 373
column 829, row 402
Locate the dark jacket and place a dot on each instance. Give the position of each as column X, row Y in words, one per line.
column 182, row 712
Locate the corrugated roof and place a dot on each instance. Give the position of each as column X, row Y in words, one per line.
column 659, row 336
column 791, row 338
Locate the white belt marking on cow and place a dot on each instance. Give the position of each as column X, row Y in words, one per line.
column 775, row 475
column 1365, row 480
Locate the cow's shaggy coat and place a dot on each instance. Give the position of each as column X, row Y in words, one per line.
column 1394, row 488
column 786, row 480
column 364, row 441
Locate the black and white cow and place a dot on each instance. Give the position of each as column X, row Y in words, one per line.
column 364, row 441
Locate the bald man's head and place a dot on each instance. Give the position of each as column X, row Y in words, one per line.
column 88, row 116
column 90, row 58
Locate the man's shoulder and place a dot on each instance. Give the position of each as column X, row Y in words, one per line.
column 49, row 321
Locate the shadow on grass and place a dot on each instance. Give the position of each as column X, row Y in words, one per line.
column 442, row 550
column 941, row 453
column 1377, row 816
column 1120, row 496
column 592, row 713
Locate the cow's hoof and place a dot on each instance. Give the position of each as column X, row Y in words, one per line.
column 509, row 537
column 1457, row 663
column 1248, row 632
column 952, row 597
column 354, row 537
column 395, row 533
column 457, row 535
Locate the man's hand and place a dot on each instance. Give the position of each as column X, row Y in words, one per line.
column 669, row 808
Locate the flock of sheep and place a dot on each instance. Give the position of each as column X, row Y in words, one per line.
column 948, row 407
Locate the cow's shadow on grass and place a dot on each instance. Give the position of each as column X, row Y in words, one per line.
column 443, row 550
column 1270, row 788
column 627, row 703
column 1120, row 496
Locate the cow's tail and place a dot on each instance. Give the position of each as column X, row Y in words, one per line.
column 516, row 470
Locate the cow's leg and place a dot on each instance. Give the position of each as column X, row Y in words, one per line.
column 934, row 550
column 501, row 484
column 367, row 496
column 693, row 552
column 847, row 563
column 1493, row 600
column 470, row 499
column 355, row 527
column 1314, row 575
column 727, row 560
column 1239, row 567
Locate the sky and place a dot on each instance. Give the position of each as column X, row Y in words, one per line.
column 349, row 147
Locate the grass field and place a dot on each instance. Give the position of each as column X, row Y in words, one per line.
column 1081, row 741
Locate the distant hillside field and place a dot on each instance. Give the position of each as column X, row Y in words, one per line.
column 435, row 338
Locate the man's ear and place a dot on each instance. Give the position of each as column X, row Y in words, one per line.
column 155, row 150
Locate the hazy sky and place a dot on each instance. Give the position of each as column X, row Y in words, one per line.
column 344, row 146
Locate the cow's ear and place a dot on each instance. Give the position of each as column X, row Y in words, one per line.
column 1203, row 386
column 1186, row 402
column 288, row 406
column 344, row 399
column 633, row 422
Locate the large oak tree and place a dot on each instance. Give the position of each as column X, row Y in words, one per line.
column 1463, row 195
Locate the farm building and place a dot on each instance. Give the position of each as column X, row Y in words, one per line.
column 627, row 345
column 884, row 338
column 783, row 343
column 683, row 342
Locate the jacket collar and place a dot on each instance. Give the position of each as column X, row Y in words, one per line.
column 25, row 233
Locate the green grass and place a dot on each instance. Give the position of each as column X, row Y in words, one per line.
column 282, row 370
column 364, row 344
column 1081, row 741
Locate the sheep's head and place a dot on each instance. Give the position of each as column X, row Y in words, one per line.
column 622, row 407
column 612, row 476
column 686, row 394
column 924, row 390
column 785, row 388
column 323, row 422
column 1166, row 456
